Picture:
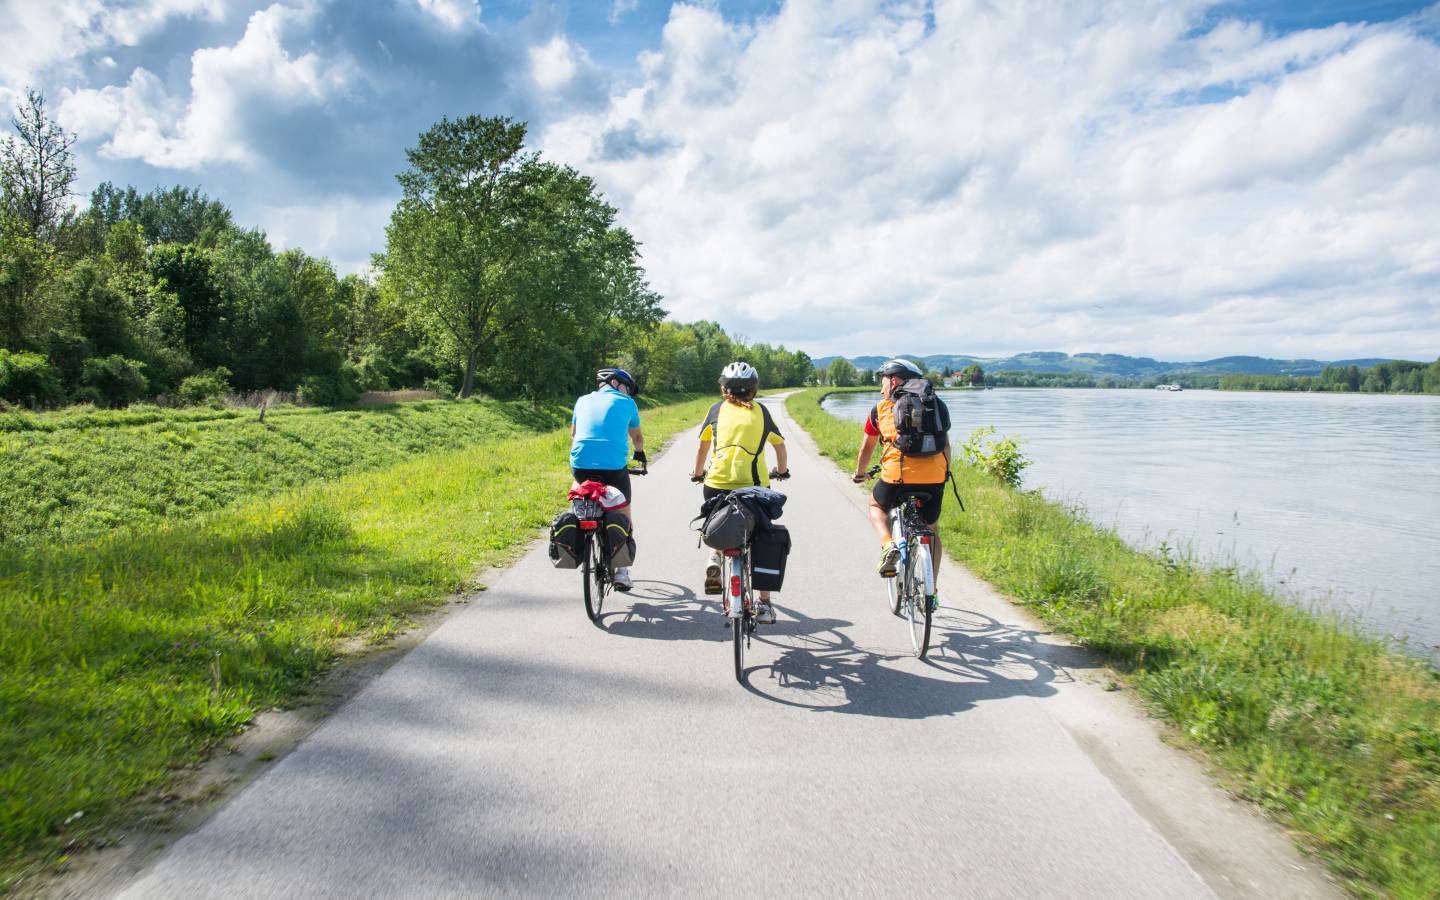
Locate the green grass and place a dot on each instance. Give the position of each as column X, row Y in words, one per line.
column 1332, row 732
column 125, row 657
column 78, row 475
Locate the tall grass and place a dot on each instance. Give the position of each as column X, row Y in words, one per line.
column 1332, row 732
column 124, row 657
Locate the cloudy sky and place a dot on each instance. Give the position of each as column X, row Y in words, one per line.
column 1172, row 179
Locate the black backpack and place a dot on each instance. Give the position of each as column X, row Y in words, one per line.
column 921, row 423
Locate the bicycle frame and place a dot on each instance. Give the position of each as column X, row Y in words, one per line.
column 905, row 520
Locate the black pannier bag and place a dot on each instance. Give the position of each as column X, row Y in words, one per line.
column 567, row 543
column 728, row 526
column 619, row 543
column 768, row 552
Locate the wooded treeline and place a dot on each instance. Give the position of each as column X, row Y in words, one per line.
column 1393, row 377
column 503, row 273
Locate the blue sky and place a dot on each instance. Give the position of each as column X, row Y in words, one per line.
column 1171, row 179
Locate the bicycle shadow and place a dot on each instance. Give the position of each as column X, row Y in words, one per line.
column 972, row 659
column 666, row 611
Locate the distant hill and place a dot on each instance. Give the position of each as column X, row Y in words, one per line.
column 1114, row 364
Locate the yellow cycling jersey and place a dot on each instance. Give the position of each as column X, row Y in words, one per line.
column 737, row 452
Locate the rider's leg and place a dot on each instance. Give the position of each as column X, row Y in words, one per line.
column 880, row 521
column 889, row 553
column 935, row 551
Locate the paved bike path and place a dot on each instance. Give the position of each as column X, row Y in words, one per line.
column 521, row 750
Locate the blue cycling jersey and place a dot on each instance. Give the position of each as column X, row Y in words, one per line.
column 602, row 422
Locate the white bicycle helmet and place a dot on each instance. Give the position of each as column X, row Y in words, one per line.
column 609, row 374
column 902, row 367
column 739, row 379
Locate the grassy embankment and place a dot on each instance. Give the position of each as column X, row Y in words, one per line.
column 1336, row 735
column 123, row 657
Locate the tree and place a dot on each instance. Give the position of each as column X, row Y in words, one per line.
column 972, row 375
column 36, row 171
column 842, row 372
column 176, row 215
column 501, row 255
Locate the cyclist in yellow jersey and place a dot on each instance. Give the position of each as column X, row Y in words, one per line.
column 731, row 454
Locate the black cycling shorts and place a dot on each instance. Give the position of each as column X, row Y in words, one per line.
column 706, row 491
column 887, row 497
column 616, row 478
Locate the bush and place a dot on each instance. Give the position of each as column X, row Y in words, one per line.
column 29, row 378
column 114, row 381
column 328, row 390
column 440, row 387
column 1001, row 460
column 205, row 387
column 370, row 373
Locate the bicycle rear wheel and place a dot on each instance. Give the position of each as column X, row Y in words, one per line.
column 917, row 605
column 594, row 581
column 739, row 625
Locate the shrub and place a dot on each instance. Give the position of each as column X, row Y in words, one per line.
column 328, row 390
column 206, row 387
column 114, row 381
column 369, row 373
column 1002, row 459
column 441, row 387
column 29, row 378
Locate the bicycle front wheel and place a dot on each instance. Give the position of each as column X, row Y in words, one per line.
column 594, row 581
column 917, row 605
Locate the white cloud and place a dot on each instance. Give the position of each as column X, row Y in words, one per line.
column 231, row 89
column 455, row 15
column 619, row 9
column 1099, row 177
column 38, row 36
column 339, row 229
column 553, row 64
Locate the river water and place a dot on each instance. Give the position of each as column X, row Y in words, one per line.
column 1334, row 498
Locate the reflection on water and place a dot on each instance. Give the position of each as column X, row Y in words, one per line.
column 1336, row 497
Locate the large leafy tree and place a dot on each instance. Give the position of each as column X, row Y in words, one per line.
column 510, row 265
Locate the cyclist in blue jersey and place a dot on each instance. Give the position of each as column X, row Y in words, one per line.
column 603, row 427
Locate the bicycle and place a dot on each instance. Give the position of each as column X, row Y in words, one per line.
column 911, row 590
column 595, row 575
column 737, row 601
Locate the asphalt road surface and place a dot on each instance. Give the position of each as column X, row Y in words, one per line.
column 521, row 750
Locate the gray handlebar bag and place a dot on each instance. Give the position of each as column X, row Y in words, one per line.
column 728, row 526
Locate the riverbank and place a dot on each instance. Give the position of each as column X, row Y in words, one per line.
column 1335, row 735
column 123, row 659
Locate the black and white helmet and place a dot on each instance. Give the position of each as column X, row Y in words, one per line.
column 739, row 379
column 902, row 367
column 607, row 375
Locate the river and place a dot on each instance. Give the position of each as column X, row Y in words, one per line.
column 1334, row 498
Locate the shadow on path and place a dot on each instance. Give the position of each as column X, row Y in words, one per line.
column 973, row 658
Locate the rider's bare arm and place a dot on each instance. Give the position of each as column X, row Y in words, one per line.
column 701, row 454
column 862, row 460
